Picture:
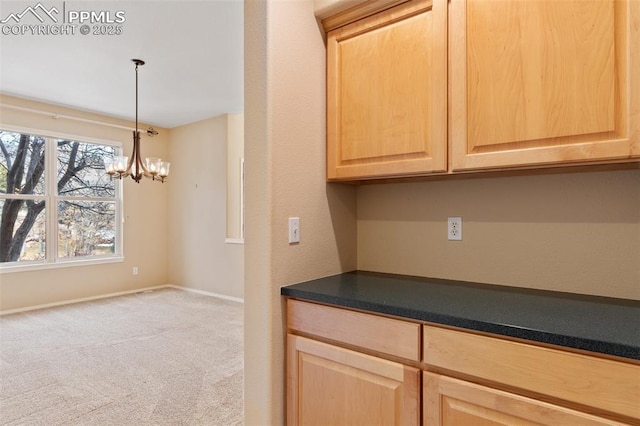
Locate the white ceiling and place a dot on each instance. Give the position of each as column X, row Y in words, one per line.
column 193, row 52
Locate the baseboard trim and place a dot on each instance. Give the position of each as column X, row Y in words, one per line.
column 207, row 293
column 119, row 293
column 82, row 299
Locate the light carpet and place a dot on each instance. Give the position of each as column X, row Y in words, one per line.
column 167, row 357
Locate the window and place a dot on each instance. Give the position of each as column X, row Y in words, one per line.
column 56, row 202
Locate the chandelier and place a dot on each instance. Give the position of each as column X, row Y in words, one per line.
column 122, row 166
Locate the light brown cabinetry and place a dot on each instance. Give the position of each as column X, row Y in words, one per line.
column 576, row 384
column 542, row 82
column 347, row 367
column 386, row 93
column 443, row 87
column 453, row 402
column 328, row 384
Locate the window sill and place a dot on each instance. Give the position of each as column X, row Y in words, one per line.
column 28, row 267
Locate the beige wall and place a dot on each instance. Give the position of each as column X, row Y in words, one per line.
column 199, row 258
column 577, row 232
column 145, row 211
column 284, row 166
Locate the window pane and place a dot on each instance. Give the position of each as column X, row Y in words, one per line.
column 81, row 170
column 86, row 228
column 21, row 163
column 22, row 230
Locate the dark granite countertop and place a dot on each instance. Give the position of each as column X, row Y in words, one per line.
column 598, row 324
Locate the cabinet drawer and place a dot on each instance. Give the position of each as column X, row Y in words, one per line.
column 380, row 334
column 590, row 381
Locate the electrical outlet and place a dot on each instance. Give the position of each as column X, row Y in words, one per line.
column 135, row 270
column 294, row 230
column 454, row 228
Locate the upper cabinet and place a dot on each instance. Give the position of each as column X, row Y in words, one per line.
column 543, row 82
column 386, row 93
column 426, row 87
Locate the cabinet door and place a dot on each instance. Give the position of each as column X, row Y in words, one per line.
column 448, row 401
column 386, row 93
column 535, row 83
column 328, row 385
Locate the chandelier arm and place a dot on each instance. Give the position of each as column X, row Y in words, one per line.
column 143, row 167
column 129, row 169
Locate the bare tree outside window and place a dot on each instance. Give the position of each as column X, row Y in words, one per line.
column 82, row 199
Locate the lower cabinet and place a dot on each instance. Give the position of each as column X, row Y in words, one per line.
column 348, row 367
column 330, row 385
column 575, row 381
column 452, row 402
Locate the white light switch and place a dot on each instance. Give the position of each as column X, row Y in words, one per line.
column 294, row 230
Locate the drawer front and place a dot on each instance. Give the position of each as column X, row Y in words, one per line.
column 596, row 382
column 380, row 334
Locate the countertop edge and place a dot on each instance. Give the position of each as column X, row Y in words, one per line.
column 595, row 346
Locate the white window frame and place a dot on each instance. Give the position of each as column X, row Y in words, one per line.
column 52, row 260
